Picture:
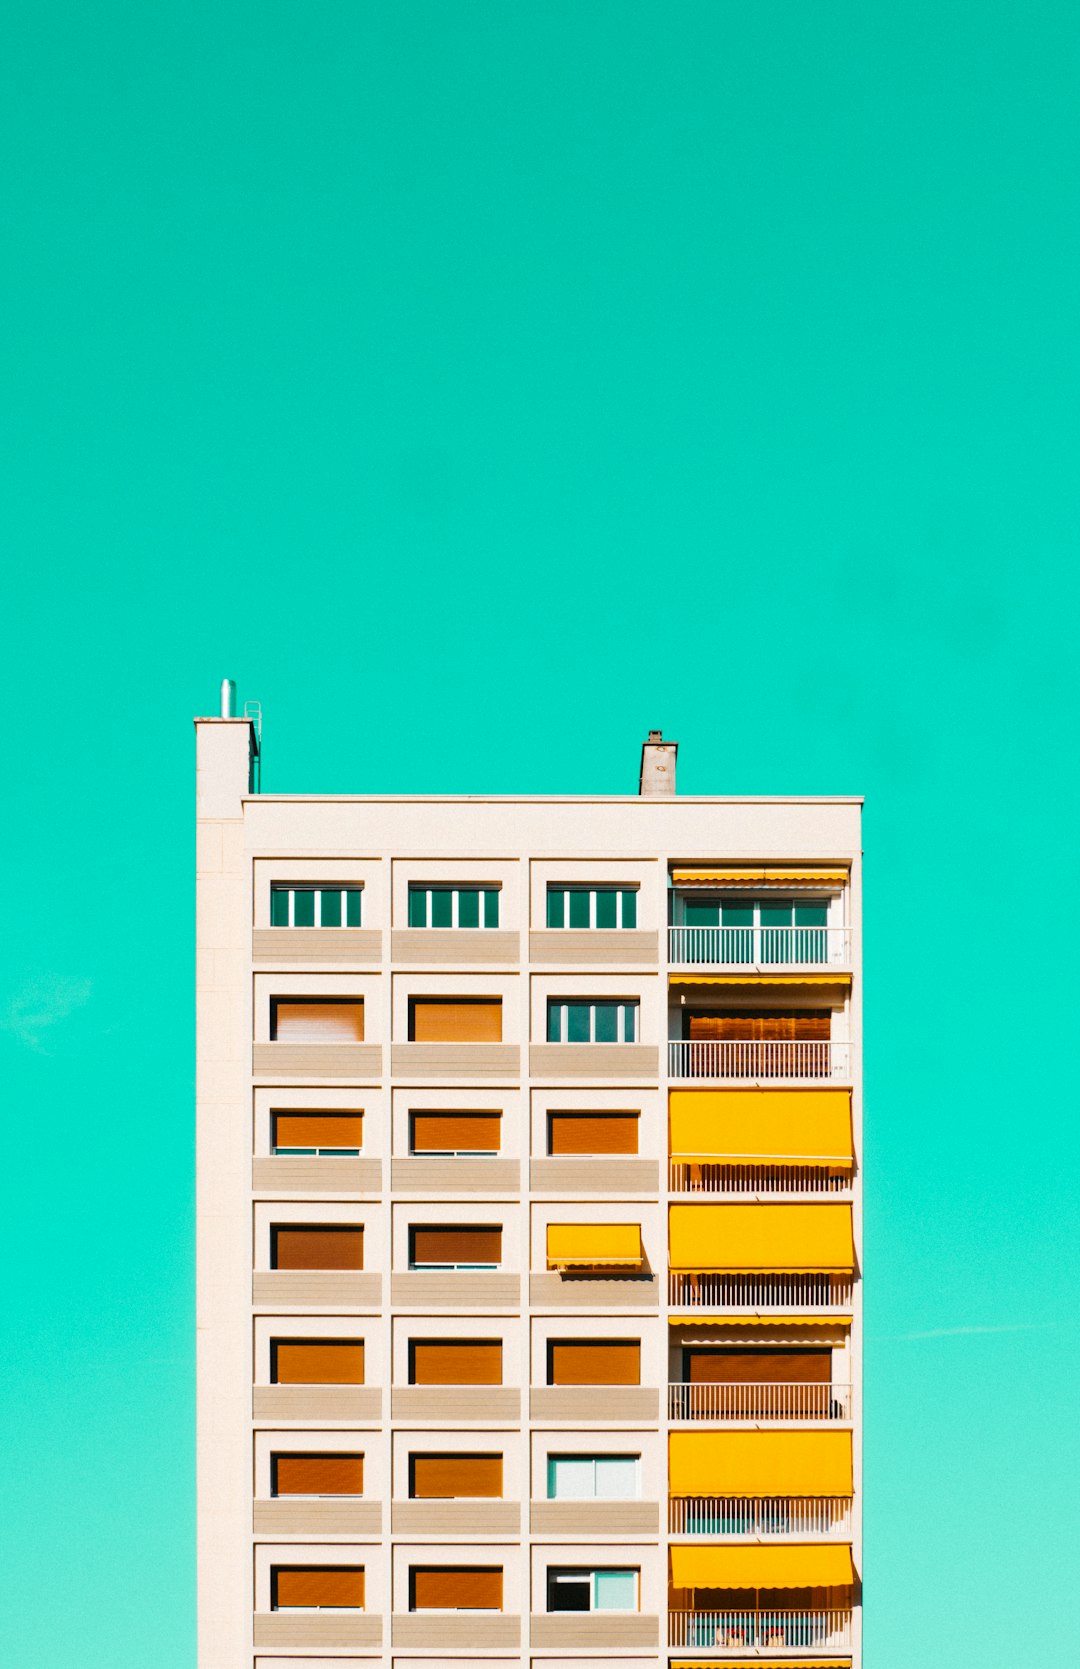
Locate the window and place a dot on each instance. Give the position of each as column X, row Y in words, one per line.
column 446, row 1134
column 758, row 1025
column 316, row 1020
column 305, row 1474
column 314, row 905
column 455, row 1588
column 594, row 1362
column 591, row 906
column 455, row 1362
column 317, row 1362
column 592, row 1477
column 455, row 1020
column 450, row 1247
column 453, row 906
column 304, row 1246
column 758, row 930
column 592, row 1133
column 317, row 1587
column 592, row 1590
column 592, row 1022
column 328, row 1135
column 455, row 1477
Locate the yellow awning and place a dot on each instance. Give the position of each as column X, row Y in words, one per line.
column 731, row 1239
column 756, row 875
column 762, row 1125
column 794, row 1565
column 755, row 1663
column 760, row 1463
column 760, row 1321
column 570, row 1245
column 775, row 982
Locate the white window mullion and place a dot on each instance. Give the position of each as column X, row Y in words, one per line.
column 292, row 906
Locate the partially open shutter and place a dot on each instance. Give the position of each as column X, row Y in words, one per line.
column 444, row 1477
column 317, row 1361
column 457, row 1588
column 455, row 1362
column 759, row 1367
column 311, row 1585
column 808, row 1024
column 594, row 1132
column 594, row 1362
column 314, row 1020
column 455, row 1020
column 456, row 1245
column 319, row 1130
column 310, row 1247
column 456, row 1132
column 318, row 1474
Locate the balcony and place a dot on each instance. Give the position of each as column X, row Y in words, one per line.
column 792, row 1515
column 779, row 1631
column 760, row 1402
column 723, row 1174
column 759, row 949
column 761, row 1060
column 759, row 1292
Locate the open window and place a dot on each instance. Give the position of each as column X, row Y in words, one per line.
column 580, row 1588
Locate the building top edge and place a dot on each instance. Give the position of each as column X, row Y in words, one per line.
column 560, row 799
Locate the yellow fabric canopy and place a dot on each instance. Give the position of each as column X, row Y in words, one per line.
column 775, row 982
column 762, row 1125
column 792, row 1565
column 729, row 1239
column 749, row 875
column 760, row 1463
column 589, row 1244
column 755, row 1663
column 760, row 1321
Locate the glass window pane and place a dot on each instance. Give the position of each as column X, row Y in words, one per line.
column 630, row 1022
column 556, row 903
column 577, row 1022
column 579, row 908
column 570, row 1478
column 606, row 906
column 569, row 1593
column 304, row 907
column 696, row 913
column 330, row 908
column 738, row 915
column 616, row 1590
column 811, row 915
column 629, row 909
column 352, row 907
column 774, row 914
column 491, row 907
column 417, row 907
column 468, row 908
column 607, row 1022
column 442, row 906
column 279, row 907
column 555, row 1022
column 616, row 1477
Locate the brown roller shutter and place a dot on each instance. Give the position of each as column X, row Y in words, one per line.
column 810, row 1024
column 318, row 1474
column 309, row 1247
column 297, row 1020
column 455, row 1020
column 445, row 1477
column 593, row 1132
column 317, row 1362
column 456, row 1245
column 594, row 1362
column 456, row 1132
column 319, row 1130
column 310, row 1585
column 455, row 1362
column 456, row 1588
column 754, row 1367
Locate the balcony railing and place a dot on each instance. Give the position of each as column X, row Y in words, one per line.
column 722, row 1175
column 789, row 1059
column 720, row 1630
column 791, row 1515
column 772, row 948
column 758, row 1292
column 758, row 1401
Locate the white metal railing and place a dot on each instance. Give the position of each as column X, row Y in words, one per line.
column 760, row 947
column 715, row 1630
column 796, row 1059
column 721, row 1175
column 760, row 1400
column 786, row 1515
column 739, row 1292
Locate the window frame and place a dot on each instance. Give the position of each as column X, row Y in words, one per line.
column 312, row 1152
column 454, row 1268
column 554, row 1457
column 291, row 888
column 426, row 889
column 577, row 1573
column 624, row 1007
column 563, row 890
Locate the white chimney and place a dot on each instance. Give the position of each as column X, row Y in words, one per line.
column 657, row 780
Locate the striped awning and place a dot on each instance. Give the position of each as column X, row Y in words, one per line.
column 776, row 982
column 760, row 1321
column 757, row 875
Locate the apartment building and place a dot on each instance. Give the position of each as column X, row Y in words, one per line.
column 529, row 1318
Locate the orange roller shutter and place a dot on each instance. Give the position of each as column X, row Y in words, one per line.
column 297, row 1021
column 456, row 1132
column 318, row 1474
column 318, row 1362
column 317, row 1248
column 760, row 1367
column 457, row 1588
column 456, row 1361
column 447, row 1477
column 455, row 1020
column 814, row 1024
column 454, row 1245
column 311, row 1585
column 319, row 1130
column 595, row 1362
column 594, row 1132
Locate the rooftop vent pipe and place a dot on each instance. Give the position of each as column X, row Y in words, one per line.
column 228, row 698
column 657, row 779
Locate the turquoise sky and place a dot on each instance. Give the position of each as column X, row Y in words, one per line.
column 481, row 384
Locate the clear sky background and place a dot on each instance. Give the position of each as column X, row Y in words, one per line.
column 481, row 384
